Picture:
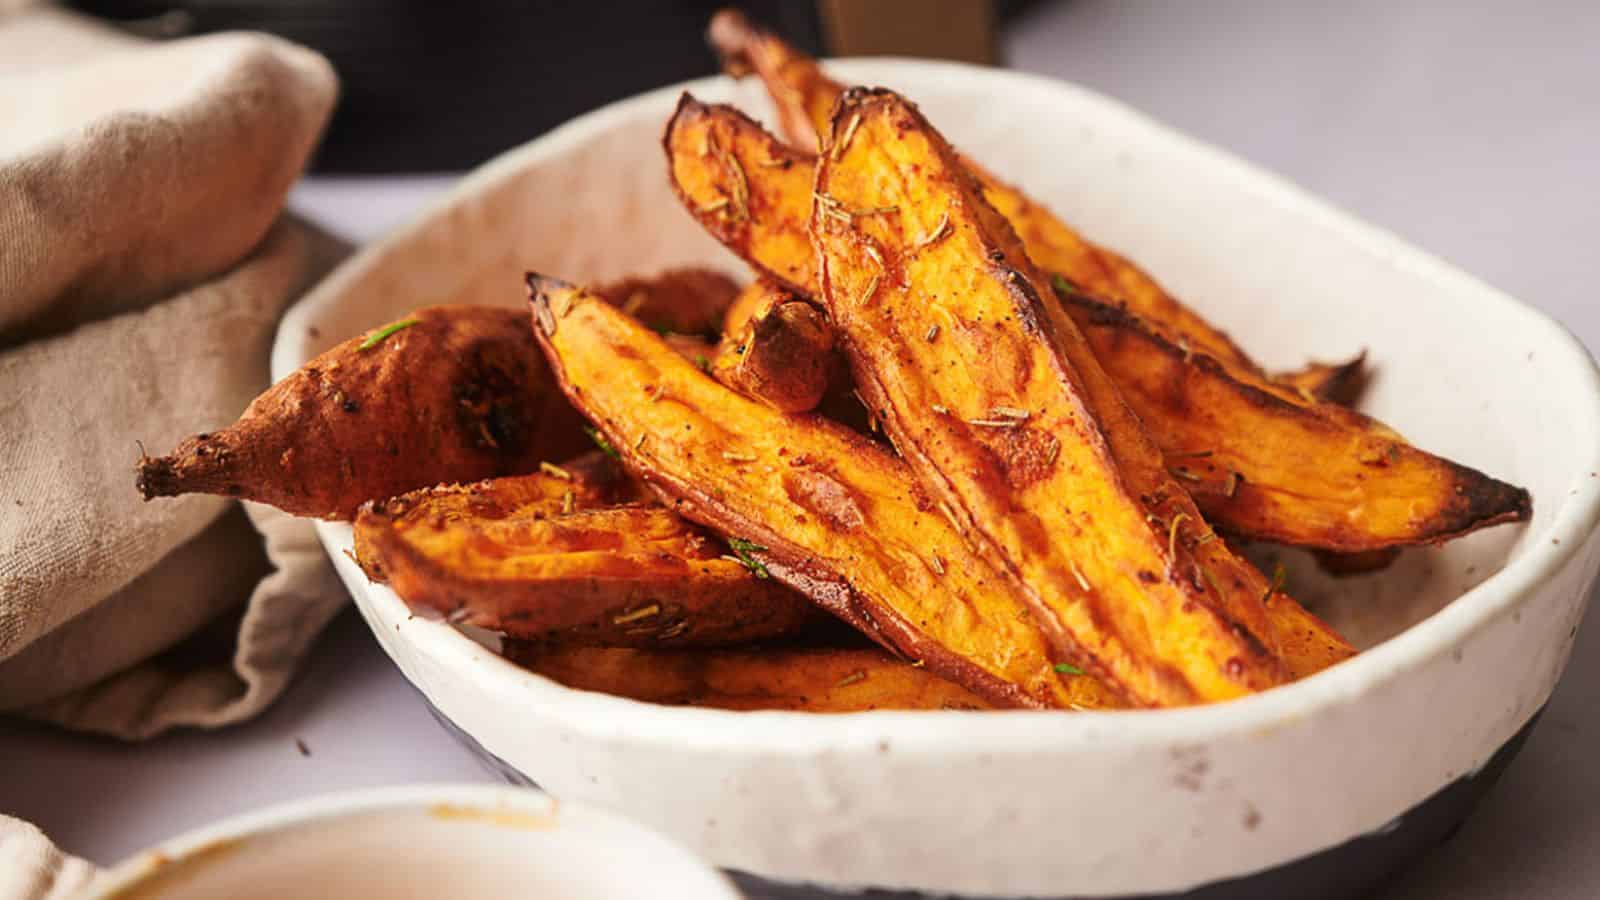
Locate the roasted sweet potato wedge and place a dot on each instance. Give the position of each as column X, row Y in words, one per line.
column 541, row 556
column 781, row 354
column 813, row 504
column 994, row 398
column 688, row 300
column 797, row 679
column 804, row 96
column 447, row 394
column 1300, row 488
column 1319, row 476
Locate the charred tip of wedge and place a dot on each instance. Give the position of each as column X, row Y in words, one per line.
column 540, row 289
column 157, row 477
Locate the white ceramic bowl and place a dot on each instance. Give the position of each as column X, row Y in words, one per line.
column 1463, row 644
column 465, row 842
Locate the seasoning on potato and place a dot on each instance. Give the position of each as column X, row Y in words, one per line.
column 444, row 394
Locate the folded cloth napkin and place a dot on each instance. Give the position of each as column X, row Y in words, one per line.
column 145, row 258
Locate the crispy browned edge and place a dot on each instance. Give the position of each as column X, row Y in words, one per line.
column 1477, row 500
column 787, row 563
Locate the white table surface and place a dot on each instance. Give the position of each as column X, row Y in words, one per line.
column 1475, row 134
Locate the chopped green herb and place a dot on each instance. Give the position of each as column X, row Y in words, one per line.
column 1068, row 669
column 1279, row 576
column 701, row 361
column 742, row 550
column 379, row 336
column 1064, row 287
column 601, row 442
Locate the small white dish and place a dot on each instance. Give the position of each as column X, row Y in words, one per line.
column 465, row 842
column 1463, row 644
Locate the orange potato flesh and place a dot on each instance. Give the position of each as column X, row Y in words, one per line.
column 836, row 517
column 796, row 679
column 1302, row 486
column 996, row 401
column 782, row 354
column 543, row 555
column 805, row 96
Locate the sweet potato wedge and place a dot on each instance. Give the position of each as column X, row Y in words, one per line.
column 797, row 679
column 804, row 96
column 997, row 403
column 447, row 394
column 1319, row 476
column 781, row 353
column 688, row 300
column 1207, row 421
column 540, row 556
column 813, row 504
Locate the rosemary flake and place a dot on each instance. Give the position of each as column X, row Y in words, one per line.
column 1172, row 535
column 555, row 471
column 569, row 502
column 937, row 234
column 936, row 563
column 849, row 132
column 643, row 612
column 933, row 332
column 853, row 678
column 872, row 288
column 1068, row 669
column 1078, row 574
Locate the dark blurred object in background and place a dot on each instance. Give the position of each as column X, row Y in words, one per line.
column 443, row 86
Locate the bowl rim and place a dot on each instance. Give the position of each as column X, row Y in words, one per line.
column 133, row 871
column 937, row 731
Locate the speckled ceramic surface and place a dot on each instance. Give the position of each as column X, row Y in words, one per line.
column 1463, row 643
column 417, row 842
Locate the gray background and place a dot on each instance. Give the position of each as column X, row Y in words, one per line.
column 1470, row 130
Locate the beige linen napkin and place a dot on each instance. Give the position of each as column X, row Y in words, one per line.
column 144, row 262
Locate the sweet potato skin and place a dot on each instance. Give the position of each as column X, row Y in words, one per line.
column 781, row 353
column 996, row 402
column 829, row 512
column 688, row 300
column 1193, row 404
column 795, row 679
column 460, row 394
column 543, row 556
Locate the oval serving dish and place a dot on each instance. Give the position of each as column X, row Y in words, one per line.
column 1322, row 785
